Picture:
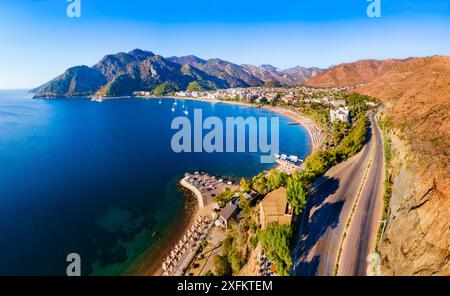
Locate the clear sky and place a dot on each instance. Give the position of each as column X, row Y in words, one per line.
column 38, row 41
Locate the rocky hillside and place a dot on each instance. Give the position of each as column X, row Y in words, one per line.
column 416, row 239
column 123, row 73
column 360, row 72
column 416, row 93
column 249, row 75
column 291, row 77
column 234, row 75
column 77, row 81
column 417, row 236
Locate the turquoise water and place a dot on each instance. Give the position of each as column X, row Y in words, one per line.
column 98, row 179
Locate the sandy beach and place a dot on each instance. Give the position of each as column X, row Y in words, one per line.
column 151, row 263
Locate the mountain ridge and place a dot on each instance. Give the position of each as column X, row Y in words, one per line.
column 123, row 73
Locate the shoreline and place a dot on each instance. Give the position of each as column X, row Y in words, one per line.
column 176, row 232
column 150, row 263
column 313, row 130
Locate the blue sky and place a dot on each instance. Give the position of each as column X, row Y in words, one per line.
column 39, row 41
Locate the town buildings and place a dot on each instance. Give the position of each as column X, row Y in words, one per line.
column 341, row 114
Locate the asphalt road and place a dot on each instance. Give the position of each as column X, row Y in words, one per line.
column 329, row 207
column 360, row 239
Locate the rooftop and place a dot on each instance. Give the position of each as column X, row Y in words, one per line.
column 275, row 203
column 227, row 212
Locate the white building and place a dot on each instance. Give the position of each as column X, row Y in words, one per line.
column 338, row 103
column 339, row 114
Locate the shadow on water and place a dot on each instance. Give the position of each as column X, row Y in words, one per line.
column 326, row 215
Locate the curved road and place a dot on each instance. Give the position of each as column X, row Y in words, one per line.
column 330, row 204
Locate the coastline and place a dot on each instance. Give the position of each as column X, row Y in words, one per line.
column 150, row 264
column 314, row 134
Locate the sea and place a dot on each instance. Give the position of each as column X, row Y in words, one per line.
column 100, row 179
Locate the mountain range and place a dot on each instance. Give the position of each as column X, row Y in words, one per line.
column 416, row 116
column 138, row 70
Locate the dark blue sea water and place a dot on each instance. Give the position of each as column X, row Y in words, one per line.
column 98, row 179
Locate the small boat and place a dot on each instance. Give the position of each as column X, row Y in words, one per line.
column 186, row 112
column 175, row 103
column 293, row 158
column 173, row 109
column 160, row 101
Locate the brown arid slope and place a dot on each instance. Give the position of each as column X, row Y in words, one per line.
column 359, row 72
column 417, row 235
column 416, row 96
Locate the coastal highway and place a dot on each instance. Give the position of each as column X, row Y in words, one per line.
column 360, row 239
column 329, row 207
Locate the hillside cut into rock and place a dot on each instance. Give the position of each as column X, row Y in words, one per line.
column 416, row 95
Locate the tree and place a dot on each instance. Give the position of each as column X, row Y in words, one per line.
column 264, row 183
column 236, row 261
column 297, row 192
column 355, row 140
column 275, row 179
column 246, row 185
column 319, row 162
column 276, row 242
column 340, row 130
column 221, row 266
column 164, row 89
column 260, row 183
column 209, row 273
column 195, row 86
column 223, row 198
column 245, row 205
